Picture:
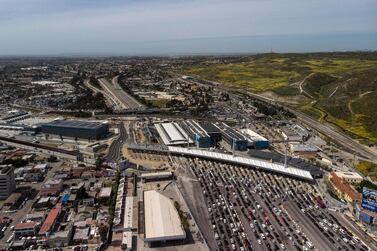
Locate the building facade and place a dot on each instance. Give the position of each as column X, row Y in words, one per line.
column 7, row 181
column 76, row 129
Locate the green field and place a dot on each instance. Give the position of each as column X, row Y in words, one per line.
column 368, row 169
column 340, row 88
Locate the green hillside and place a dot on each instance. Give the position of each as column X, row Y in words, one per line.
column 340, row 88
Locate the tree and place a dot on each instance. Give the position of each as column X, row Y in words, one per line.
column 81, row 193
column 103, row 229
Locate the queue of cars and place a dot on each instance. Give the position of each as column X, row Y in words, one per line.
column 247, row 209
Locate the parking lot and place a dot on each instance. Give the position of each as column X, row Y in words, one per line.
column 255, row 210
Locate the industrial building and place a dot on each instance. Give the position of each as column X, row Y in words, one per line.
column 256, row 140
column 233, row 138
column 7, row 181
column 172, row 134
column 197, row 133
column 162, row 222
column 77, row 129
column 213, row 131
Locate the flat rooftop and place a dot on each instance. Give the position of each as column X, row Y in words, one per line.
column 162, row 222
column 156, row 175
column 253, row 135
column 172, row 134
column 75, row 124
column 257, row 163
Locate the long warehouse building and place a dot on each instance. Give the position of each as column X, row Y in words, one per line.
column 197, row 133
column 162, row 222
column 77, row 129
column 233, row 138
column 172, row 134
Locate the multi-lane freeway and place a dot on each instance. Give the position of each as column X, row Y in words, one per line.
column 123, row 99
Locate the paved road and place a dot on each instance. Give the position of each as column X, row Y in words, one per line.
column 126, row 101
column 114, row 103
column 325, row 128
column 356, row 230
column 309, row 228
column 131, row 101
column 114, row 153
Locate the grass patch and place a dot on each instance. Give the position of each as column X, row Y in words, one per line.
column 160, row 103
column 368, row 169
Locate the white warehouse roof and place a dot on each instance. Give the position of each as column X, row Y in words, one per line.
column 262, row 164
column 162, row 222
column 172, row 134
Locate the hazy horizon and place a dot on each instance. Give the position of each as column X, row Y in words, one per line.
column 166, row 27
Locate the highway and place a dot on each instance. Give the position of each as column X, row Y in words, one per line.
column 110, row 99
column 131, row 101
column 114, row 153
column 123, row 99
column 325, row 128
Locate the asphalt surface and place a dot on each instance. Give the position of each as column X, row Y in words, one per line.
column 114, row 153
column 131, row 101
column 127, row 101
column 248, row 209
column 113, row 102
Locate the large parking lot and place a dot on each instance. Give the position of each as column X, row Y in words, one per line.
column 254, row 210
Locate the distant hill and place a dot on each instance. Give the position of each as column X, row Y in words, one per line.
column 340, row 88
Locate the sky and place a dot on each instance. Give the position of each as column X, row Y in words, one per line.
column 140, row 27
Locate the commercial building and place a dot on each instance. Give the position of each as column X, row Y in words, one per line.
column 172, row 134
column 256, row 140
column 303, row 149
column 37, row 216
column 60, row 238
column 7, row 181
column 162, row 222
column 13, row 199
column 26, row 229
column 343, row 189
column 233, row 138
column 367, row 211
column 291, row 135
column 51, row 187
column 50, row 221
column 156, row 176
column 197, row 133
column 350, row 177
column 77, row 129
